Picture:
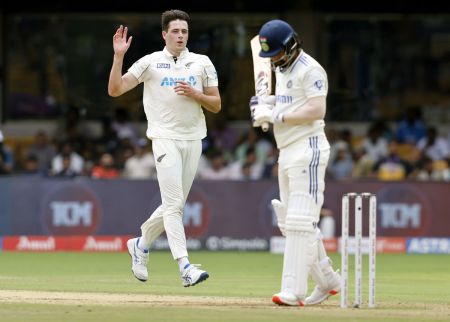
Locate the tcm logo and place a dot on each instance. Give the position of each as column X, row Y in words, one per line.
column 71, row 210
column 402, row 211
column 196, row 214
column 400, row 215
column 71, row 213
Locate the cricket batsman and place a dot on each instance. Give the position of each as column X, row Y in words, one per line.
column 298, row 124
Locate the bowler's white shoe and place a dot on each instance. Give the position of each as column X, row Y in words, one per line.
column 286, row 298
column 192, row 275
column 319, row 294
column 139, row 260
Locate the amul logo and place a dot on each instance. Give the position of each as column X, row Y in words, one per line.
column 71, row 210
column 102, row 244
column 36, row 243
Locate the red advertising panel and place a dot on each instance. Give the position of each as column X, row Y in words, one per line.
column 67, row 243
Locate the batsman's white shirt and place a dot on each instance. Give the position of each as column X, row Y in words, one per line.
column 305, row 79
column 169, row 115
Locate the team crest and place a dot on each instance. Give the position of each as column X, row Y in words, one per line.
column 318, row 84
column 289, row 84
column 264, row 45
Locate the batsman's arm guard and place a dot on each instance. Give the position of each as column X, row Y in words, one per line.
column 280, row 212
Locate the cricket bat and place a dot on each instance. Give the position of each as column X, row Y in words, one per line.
column 262, row 73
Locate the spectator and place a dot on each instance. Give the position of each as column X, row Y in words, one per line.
column 123, row 127
column 426, row 170
column 341, row 168
column 42, row 150
column 375, row 144
column 76, row 161
column 141, row 165
column 31, row 167
column 434, row 146
column 216, row 169
column 340, row 140
column 252, row 139
column 249, row 168
column 362, row 164
column 108, row 139
column 105, row 169
column 6, row 157
column 411, row 129
column 271, row 166
column 71, row 129
column 223, row 137
column 67, row 169
column 392, row 167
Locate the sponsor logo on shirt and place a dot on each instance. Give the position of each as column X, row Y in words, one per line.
column 172, row 81
column 163, row 65
column 284, row 99
column 192, row 81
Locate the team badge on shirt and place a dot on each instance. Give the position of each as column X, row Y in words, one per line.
column 289, row 84
column 318, row 84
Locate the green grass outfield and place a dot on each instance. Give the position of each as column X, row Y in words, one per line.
column 100, row 287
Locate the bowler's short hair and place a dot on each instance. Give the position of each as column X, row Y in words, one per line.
column 170, row 15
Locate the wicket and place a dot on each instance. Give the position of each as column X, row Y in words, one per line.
column 358, row 210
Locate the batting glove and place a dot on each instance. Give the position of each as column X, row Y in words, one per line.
column 263, row 113
column 270, row 100
column 256, row 102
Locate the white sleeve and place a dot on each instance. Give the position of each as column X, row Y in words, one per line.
column 139, row 69
column 315, row 83
column 209, row 78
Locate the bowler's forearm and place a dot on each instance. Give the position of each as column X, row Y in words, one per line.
column 115, row 77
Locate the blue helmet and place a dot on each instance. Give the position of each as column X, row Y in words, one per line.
column 274, row 36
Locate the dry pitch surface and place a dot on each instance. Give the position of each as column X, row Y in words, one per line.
column 389, row 310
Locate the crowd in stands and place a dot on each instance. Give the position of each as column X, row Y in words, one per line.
column 411, row 151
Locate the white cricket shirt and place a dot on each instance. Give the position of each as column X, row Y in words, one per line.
column 169, row 115
column 305, row 79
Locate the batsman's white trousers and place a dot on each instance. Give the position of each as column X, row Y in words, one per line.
column 301, row 175
column 176, row 166
column 301, row 169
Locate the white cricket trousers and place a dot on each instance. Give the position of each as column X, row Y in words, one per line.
column 301, row 170
column 176, row 166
